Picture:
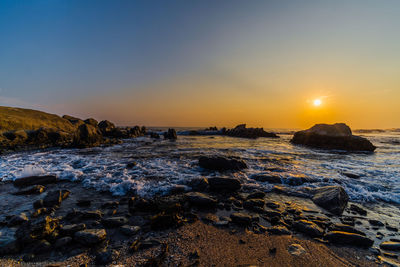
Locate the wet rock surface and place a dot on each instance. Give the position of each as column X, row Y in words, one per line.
column 221, row 164
column 331, row 198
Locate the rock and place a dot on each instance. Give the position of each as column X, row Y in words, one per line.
column 200, row 200
column 154, row 135
column 390, row 245
column 37, row 230
column 345, row 238
column 224, row 184
column 35, row 180
column 90, row 236
column 165, row 220
column 87, row 136
column 84, row 202
column 278, row 230
column 272, row 205
column 38, row 204
column 334, row 136
column 376, row 223
column 332, row 198
column 17, row 219
column 75, row 121
column 221, row 163
column 92, row 122
column 114, row 222
column 41, row 246
column 71, row 229
column 62, row 242
column 358, row 210
column 257, row 194
column 308, row 228
column 170, row 134
column 296, row 249
column 272, row 179
column 351, row 175
column 107, row 256
column 241, row 218
column 243, row 132
column 54, row 198
column 141, row 204
column 198, row 184
column 106, row 127
column 345, row 228
column 8, row 241
column 254, row 204
column 35, row 189
column 129, row 230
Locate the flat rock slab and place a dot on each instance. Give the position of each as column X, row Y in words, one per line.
column 35, row 180
column 389, row 245
column 345, row 238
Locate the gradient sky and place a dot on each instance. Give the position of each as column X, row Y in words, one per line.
column 204, row 63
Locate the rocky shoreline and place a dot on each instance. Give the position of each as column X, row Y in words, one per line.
column 51, row 221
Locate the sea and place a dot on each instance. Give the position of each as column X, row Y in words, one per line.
column 161, row 166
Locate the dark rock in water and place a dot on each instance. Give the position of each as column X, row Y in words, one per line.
column 90, row 236
column 106, row 127
column 257, row 194
column 35, row 180
column 198, row 184
column 154, row 135
column 351, row 175
column 241, row 218
column 332, row 198
column 131, row 165
column 224, row 184
column 92, row 122
column 389, row 245
column 114, row 221
column 17, row 220
column 62, row 242
column 141, row 204
column 54, row 198
column 376, row 223
column 308, row 228
column 84, row 202
column 71, row 229
column 345, row 238
column 106, row 256
column 35, row 189
column 201, row 200
column 170, row 134
column 242, row 131
column 332, row 136
column 221, row 164
column 9, row 243
column 87, row 136
column 278, row 230
column 272, row 179
column 358, row 210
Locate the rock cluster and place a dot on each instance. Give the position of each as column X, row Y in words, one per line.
column 242, row 131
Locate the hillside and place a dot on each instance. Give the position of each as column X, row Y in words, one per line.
column 28, row 119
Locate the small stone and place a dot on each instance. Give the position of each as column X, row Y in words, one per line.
column 18, row 219
column 129, row 230
column 376, row 222
column 308, row 228
column 72, row 228
column 107, row 256
column 114, row 222
column 200, row 200
column 35, row 189
column 278, row 230
column 241, row 218
column 296, row 249
column 90, row 236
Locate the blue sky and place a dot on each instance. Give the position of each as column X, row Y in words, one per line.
column 195, row 62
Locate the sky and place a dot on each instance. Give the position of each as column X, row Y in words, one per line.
column 204, row 63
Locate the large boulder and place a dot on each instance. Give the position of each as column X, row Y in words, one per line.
column 221, row 163
column 332, row 198
column 332, row 136
column 87, row 136
column 242, row 131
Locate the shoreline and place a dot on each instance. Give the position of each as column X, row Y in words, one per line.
column 195, row 235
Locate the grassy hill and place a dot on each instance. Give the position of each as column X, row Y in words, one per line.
column 28, row 119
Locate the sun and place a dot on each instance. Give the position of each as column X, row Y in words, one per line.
column 317, row 102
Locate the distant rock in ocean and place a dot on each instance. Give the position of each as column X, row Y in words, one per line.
column 242, row 131
column 332, row 136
